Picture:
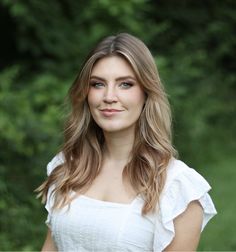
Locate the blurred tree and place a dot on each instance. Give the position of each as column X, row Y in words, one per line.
column 195, row 53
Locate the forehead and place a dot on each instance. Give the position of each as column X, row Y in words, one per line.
column 113, row 66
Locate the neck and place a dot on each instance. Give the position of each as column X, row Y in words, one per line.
column 118, row 146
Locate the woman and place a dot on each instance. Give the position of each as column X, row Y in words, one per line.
column 117, row 185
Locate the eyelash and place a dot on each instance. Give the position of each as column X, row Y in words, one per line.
column 124, row 84
column 96, row 84
column 127, row 85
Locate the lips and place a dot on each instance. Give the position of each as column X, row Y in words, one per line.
column 110, row 112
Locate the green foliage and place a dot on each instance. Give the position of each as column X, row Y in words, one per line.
column 64, row 31
column 31, row 115
column 43, row 46
column 197, row 71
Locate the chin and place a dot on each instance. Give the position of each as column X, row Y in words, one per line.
column 111, row 130
column 116, row 129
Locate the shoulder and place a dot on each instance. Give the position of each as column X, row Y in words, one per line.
column 179, row 174
column 183, row 185
column 56, row 160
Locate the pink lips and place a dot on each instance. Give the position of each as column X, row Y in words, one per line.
column 110, row 112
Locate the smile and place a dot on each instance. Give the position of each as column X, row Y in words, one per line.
column 110, row 112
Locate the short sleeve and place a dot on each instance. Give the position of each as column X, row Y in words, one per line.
column 57, row 160
column 183, row 185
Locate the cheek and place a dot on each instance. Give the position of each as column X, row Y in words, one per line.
column 138, row 98
column 93, row 98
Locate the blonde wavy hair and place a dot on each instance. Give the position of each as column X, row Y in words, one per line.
column 84, row 140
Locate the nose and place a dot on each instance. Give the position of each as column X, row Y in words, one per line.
column 110, row 95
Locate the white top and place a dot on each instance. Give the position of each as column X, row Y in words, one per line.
column 95, row 225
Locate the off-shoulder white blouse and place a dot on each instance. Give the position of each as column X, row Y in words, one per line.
column 94, row 225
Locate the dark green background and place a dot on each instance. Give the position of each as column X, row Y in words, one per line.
column 43, row 44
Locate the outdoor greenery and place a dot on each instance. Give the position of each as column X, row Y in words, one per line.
column 43, row 44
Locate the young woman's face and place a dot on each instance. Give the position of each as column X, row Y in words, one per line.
column 115, row 97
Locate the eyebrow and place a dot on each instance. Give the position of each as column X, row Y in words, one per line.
column 117, row 79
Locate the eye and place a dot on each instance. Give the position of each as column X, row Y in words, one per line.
column 97, row 84
column 126, row 85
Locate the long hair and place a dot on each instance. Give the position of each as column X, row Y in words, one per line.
column 84, row 140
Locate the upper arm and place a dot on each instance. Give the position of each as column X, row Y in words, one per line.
column 187, row 229
column 49, row 244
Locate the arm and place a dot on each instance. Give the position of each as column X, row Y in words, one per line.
column 187, row 229
column 49, row 244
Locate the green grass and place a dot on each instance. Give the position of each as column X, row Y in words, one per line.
column 220, row 234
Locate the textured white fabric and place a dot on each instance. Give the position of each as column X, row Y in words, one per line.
column 95, row 225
